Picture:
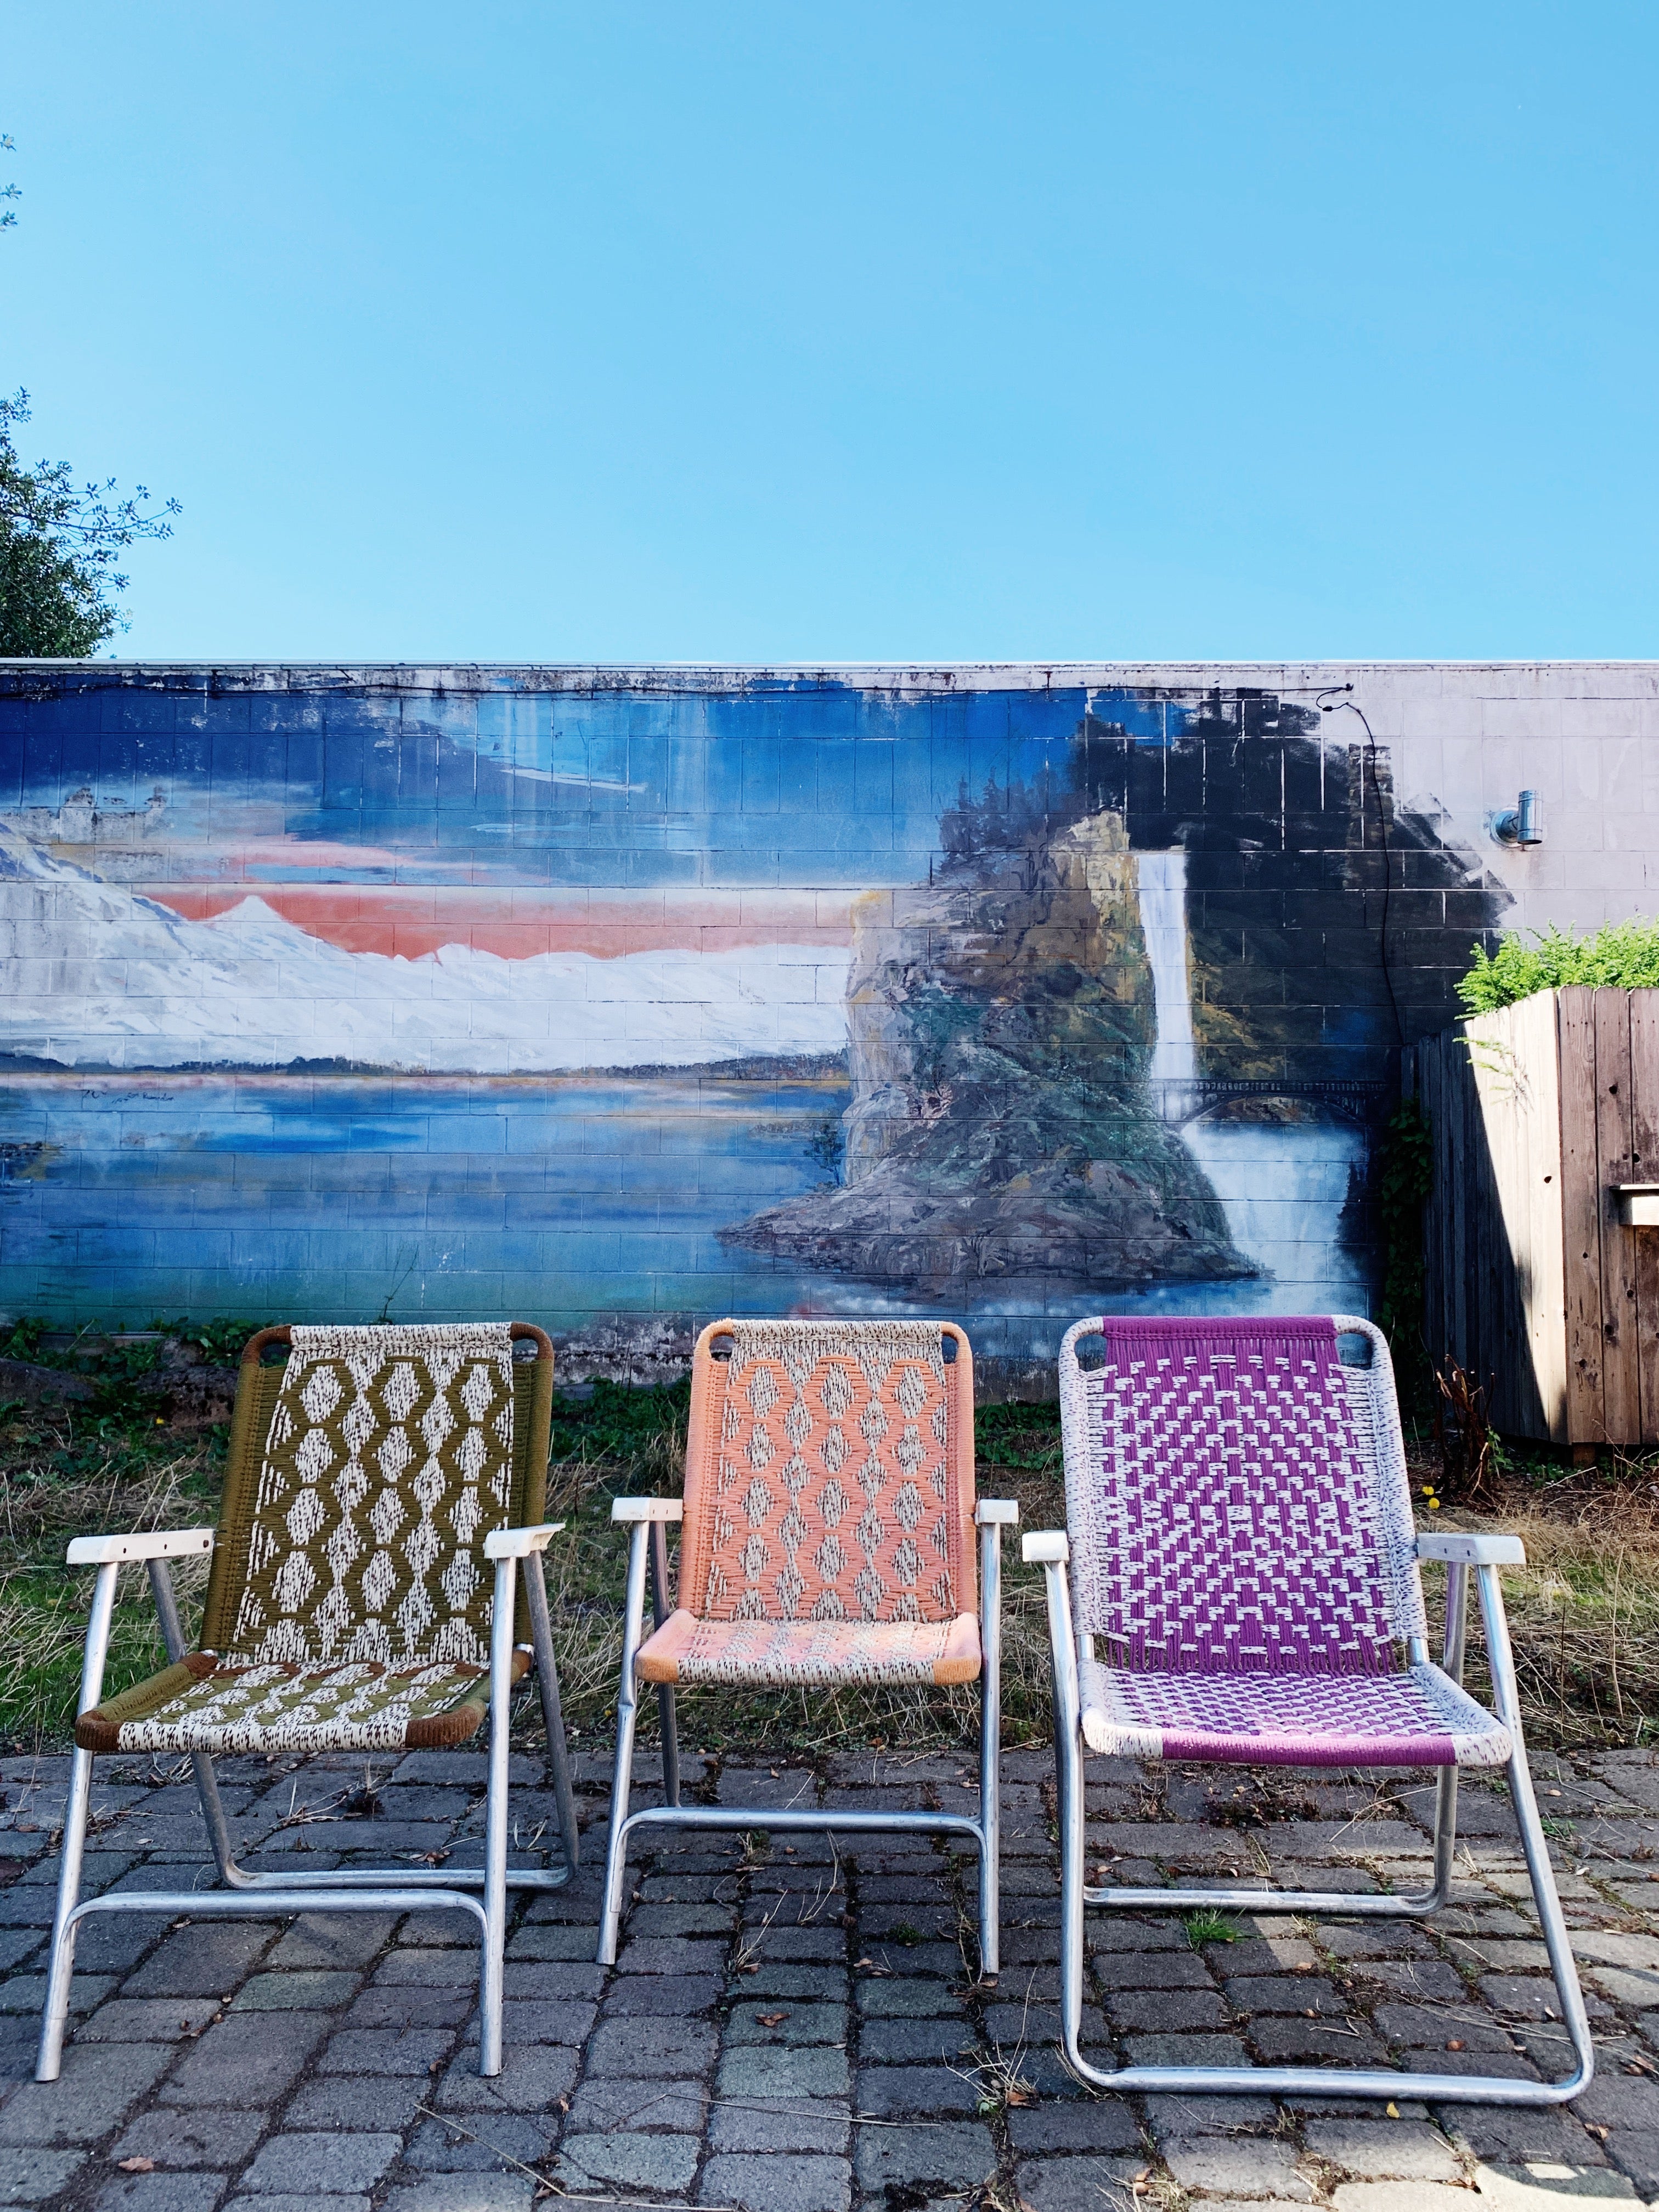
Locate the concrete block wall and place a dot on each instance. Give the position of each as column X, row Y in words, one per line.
column 619, row 999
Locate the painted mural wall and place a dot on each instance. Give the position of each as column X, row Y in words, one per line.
column 619, row 1000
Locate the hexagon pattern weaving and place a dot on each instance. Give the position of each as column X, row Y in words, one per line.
column 1236, row 1523
column 389, row 1460
column 823, row 1482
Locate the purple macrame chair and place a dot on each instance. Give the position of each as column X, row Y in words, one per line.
column 1244, row 1589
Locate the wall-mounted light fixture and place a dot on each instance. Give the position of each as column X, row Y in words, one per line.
column 1523, row 824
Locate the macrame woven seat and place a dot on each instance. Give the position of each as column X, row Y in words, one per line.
column 828, row 1534
column 1242, row 1563
column 349, row 1598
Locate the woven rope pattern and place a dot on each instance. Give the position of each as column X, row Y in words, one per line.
column 389, row 1460
column 783, row 1652
column 828, row 1488
column 275, row 1708
column 1420, row 1718
column 1238, row 1499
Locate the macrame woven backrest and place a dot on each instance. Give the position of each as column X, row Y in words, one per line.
column 830, row 1473
column 1238, row 1499
column 358, row 1531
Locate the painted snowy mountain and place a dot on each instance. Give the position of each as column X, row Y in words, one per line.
column 93, row 976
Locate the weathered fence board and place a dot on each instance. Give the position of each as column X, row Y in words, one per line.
column 1538, row 1113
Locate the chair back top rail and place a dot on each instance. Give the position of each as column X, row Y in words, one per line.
column 830, row 1472
column 1237, row 1498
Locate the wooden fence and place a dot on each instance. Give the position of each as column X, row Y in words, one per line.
column 1537, row 1113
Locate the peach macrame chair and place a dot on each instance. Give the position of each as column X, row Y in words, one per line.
column 829, row 1526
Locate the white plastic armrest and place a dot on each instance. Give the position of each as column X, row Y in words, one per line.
column 647, row 1509
column 1458, row 1550
column 152, row 1544
column 1001, row 1512
column 1043, row 1547
column 519, row 1543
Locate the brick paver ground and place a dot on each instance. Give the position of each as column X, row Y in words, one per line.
column 792, row 2028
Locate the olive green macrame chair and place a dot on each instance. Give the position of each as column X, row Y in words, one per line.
column 383, row 1487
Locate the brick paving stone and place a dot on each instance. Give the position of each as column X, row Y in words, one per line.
column 533, row 2076
column 1416, row 1978
column 1062, row 2184
column 148, row 2019
column 160, row 2192
column 26, row 2175
column 317, row 1992
column 465, row 2193
column 1503, row 2133
column 1636, row 2153
column 1154, row 1970
column 333, row 1939
column 674, row 2107
column 401, row 2006
column 778, row 1978
column 353, row 2202
column 98, row 2085
column 1097, row 2123
column 673, row 1996
column 320, row 2162
column 1329, row 2040
column 182, row 2138
column 385, row 2051
column 1423, row 2027
column 1240, row 2166
column 915, row 2042
column 1285, row 1993
column 890, row 2091
column 523, row 2022
column 1383, row 2149
column 28, row 1992
column 648, row 2048
column 798, row 2183
column 1176, row 2115
column 206, row 1960
column 250, row 2058
column 816, row 2071
column 903, row 1998
column 956, row 2153
column 763, row 2125
column 630, row 2161
column 1184, row 2051
column 379, row 2103
column 803, row 2023
column 1398, row 2196
column 1168, row 2012
column 480, row 2143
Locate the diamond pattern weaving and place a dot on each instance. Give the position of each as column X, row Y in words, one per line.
column 827, row 1486
column 389, row 1460
column 1238, row 1528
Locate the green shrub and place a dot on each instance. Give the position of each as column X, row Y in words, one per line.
column 1623, row 955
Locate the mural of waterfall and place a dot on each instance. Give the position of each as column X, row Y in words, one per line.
column 1284, row 1184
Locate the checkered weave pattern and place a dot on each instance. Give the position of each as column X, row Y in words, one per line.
column 1232, row 1520
column 825, row 1480
column 389, row 1460
column 1419, row 1718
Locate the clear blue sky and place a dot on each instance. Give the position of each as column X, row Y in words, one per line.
column 881, row 329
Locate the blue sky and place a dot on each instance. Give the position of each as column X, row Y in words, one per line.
column 638, row 331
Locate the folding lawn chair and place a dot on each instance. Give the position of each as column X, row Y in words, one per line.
column 370, row 1478
column 828, row 1540
column 1244, row 1589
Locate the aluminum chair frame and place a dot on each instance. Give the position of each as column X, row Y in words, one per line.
column 354, row 1889
column 1460, row 1553
column 648, row 1520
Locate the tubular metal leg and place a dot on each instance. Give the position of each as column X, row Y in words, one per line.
column 616, row 1850
column 547, row 1681
column 1445, row 1795
column 207, row 1782
column 1298, row 2080
column 493, row 1948
column 990, row 1748
column 666, row 1716
column 61, row 1959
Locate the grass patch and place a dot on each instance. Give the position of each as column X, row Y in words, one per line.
column 1209, row 1927
column 1585, row 1612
